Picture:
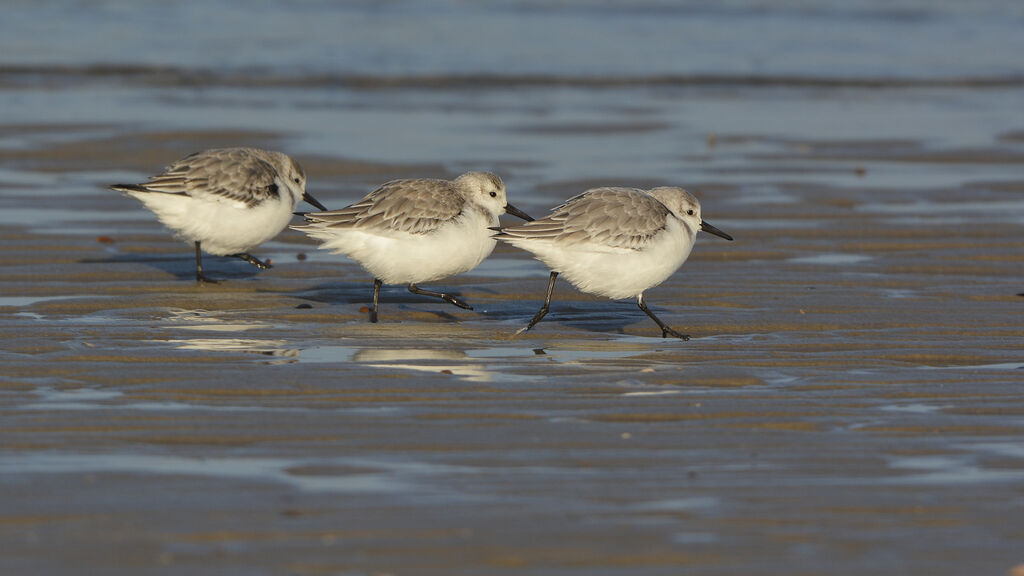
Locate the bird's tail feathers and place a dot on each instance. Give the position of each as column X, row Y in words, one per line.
column 129, row 188
column 140, row 188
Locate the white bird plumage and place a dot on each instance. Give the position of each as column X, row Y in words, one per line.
column 225, row 201
column 614, row 242
column 417, row 230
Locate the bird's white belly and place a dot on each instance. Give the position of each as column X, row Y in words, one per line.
column 403, row 258
column 615, row 273
column 223, row 227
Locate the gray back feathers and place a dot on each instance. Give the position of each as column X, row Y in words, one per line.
column 241, row 174
column 615, row 217
column 415, row 206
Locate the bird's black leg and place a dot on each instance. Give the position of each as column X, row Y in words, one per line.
column 446, row 297
column 665, row 329
column 200, row 278
column 254, row 261
column 543, row 309
column 376, row 297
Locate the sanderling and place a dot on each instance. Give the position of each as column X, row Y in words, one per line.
column 413, row 231
column 614, row 242
column 229, row 200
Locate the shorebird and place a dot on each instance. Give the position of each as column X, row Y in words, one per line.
column 226, row 201
column 417, row 230
column 614, row 242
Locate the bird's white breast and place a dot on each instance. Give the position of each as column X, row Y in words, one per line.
column 615, row 272
column 223, row 226
column 396, row 257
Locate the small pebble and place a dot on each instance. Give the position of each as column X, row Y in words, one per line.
column 301, row 256
column 105, row 240
column 304, row 306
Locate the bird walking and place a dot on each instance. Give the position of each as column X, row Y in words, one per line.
column 225, row 201
column 614, row 242
column 417, row 230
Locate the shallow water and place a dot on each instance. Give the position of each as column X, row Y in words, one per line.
column 851, row 400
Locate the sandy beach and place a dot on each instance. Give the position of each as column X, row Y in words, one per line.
column 850, row 402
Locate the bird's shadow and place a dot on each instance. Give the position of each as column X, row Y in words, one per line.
column 598, row 316
column 361, row 294
column 183, row 267
column 591, row 316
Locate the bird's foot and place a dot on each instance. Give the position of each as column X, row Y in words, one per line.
column 666, row 332
column 456, row 301
column 262, row 265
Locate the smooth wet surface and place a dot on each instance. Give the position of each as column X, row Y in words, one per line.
column 851, row 400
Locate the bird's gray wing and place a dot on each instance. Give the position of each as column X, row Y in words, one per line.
column 412, row 206
column 226, row 173
column 613, row 217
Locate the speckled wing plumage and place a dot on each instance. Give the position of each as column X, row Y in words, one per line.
column 412, row 206
column 238, row 174
column 614, row 217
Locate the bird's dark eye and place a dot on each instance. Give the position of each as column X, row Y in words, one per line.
column 494, row 194
column 690, row 212
column 298, row 181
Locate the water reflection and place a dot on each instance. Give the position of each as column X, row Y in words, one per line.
column 342, row 475
column 831, row 259
column 956, row 469
column 432, row 360
column 20, row 301
column 481, row 364
column 274, row 348
column 207, row 321
column 490, row 364
column 49, row 398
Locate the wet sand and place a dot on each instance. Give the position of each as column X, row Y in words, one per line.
column 850, row 402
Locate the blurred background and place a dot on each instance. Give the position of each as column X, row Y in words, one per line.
column 543, row 92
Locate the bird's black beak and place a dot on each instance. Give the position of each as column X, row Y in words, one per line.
column 712, row 230
column 510, row 209
column 313, row 202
